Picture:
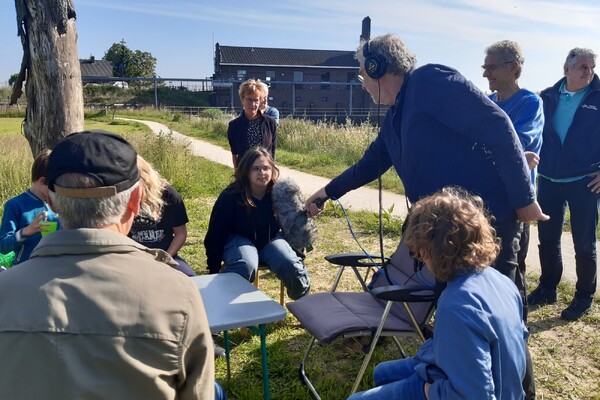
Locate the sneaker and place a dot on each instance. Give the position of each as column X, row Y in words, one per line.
column 219, row 351
column 541, row 296
column 577, row 309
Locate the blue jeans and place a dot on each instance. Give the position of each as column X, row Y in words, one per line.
column 219, row 392
column 240, row 256
column 183, row 266
column 395, row 379
column 553, row 198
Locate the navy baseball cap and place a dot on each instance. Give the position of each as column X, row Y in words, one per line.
column 103, row 156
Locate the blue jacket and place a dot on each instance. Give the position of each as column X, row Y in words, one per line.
column 580, row 153
column 444, row 131
column 478, row 345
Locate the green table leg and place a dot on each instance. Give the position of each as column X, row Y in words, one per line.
column 262, row 331
column 227, row 353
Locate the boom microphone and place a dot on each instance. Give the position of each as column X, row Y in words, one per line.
column 298, row 229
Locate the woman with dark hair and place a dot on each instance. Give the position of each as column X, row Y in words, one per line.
column 253, row 127
column 243, row 231
column 478, row 345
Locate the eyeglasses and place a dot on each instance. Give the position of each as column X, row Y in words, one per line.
column 251, row 100
column 257, row 169
column 493, row 67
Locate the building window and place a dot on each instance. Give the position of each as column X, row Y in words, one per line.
column 351, row 77
column 299, row 77
column 241, row 74
column 325, row 79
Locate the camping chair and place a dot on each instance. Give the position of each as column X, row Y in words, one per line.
column 399, row 301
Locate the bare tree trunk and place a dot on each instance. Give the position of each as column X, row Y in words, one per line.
column 50, row 69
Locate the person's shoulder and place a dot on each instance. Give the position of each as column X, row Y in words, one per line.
column 554, row 89
column 269, row 119
column 228, row 194
column 237, row 120
column 17, row 202
column 529, row 95
column 171, row 194
column 431, row 75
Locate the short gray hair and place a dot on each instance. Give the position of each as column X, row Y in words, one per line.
column 577, row 53
column 509, row 51
column 400, row 60
column 99, row 212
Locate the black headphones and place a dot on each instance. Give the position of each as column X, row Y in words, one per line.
column 375, row 65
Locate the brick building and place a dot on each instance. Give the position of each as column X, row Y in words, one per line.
column 302, row 82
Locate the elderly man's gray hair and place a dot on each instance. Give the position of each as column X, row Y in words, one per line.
column 88, row 213
column 577, row 53
column 399, row 59
column 509, row 51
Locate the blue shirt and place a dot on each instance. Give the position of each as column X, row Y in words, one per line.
column 478, row 345
column 19, row 212
column 526, row 112
column 568, row 103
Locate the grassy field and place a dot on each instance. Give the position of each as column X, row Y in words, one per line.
column 566, row 355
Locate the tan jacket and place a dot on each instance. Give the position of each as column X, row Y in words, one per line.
column 93, row 315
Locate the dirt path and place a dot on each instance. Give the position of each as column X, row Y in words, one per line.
column 362, row 198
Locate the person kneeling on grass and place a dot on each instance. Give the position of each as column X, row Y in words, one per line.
column 243, row 230
column 478, row 346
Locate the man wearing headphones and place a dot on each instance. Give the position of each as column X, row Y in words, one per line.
column 441, row 131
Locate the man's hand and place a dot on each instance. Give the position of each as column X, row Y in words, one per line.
column 531, row 213
column 313, row 208
column 594, row 185
column 532, row 159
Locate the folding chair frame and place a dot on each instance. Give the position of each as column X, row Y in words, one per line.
column 391, row 294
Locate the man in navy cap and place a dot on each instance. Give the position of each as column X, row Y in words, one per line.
column 94, row 314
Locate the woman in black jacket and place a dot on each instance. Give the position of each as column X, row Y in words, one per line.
column 243, row 231
column 252, row 128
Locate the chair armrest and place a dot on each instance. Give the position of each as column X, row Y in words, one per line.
column 416, row 294
column 354, row 260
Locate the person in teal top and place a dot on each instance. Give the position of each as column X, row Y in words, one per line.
column 27, row 215
column 502, row 68
column 569, row 173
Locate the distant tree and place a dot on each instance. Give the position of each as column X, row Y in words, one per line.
column 13, row 78
column 50, row 70
column 128, row 63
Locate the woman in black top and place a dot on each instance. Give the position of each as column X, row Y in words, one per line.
column 252, row 128
column 243, row 231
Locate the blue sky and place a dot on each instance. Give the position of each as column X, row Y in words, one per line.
column 181, row 34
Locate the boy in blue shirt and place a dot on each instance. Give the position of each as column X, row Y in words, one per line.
column 26, row 215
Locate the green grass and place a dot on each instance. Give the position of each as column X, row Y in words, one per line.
column 566, row 355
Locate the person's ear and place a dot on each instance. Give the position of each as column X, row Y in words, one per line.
column 51, row 203
column 134, row 200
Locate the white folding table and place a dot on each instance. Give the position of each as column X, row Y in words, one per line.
column 232, row 302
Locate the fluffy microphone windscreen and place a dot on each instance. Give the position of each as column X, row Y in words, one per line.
column 288, row 203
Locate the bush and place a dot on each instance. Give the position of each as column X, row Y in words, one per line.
column 212, row 113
